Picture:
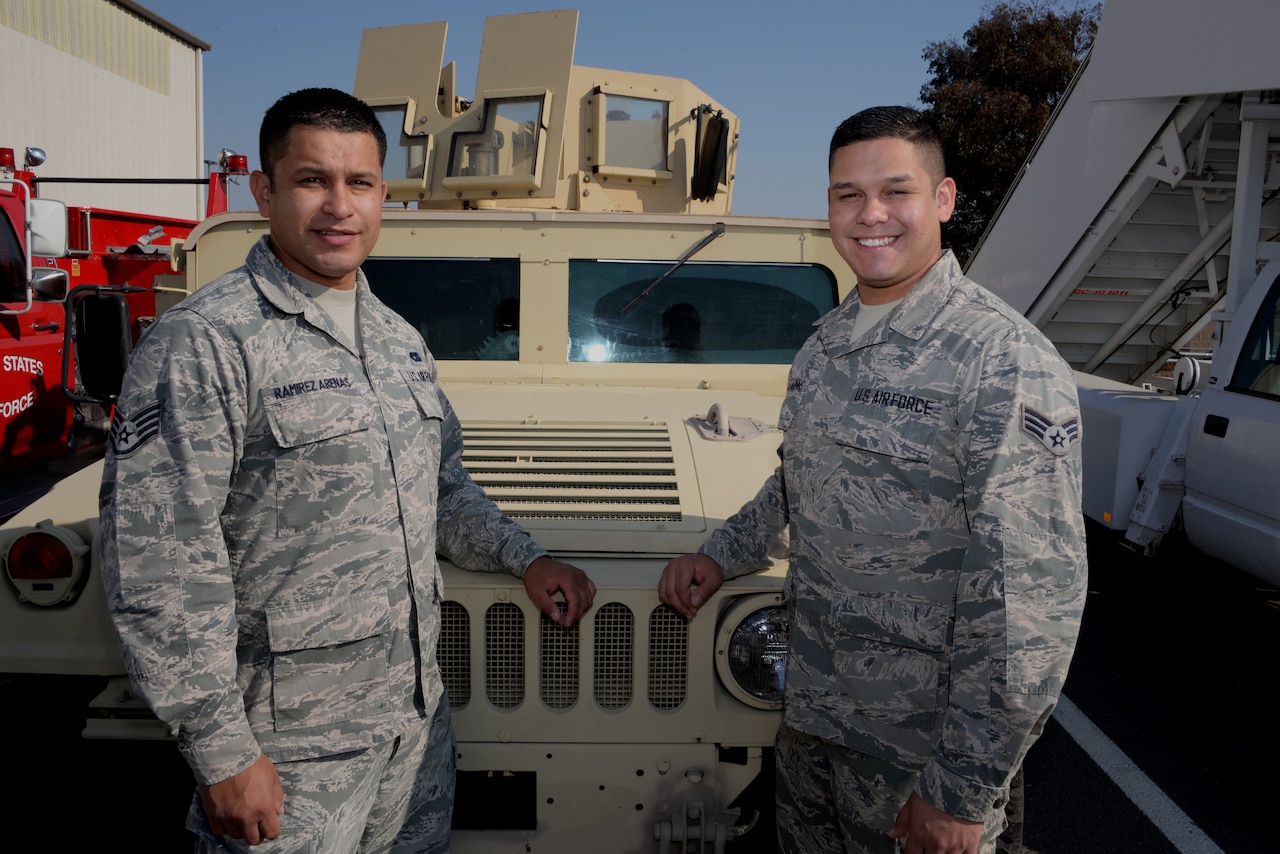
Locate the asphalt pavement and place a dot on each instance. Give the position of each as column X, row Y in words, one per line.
column 1173, row 669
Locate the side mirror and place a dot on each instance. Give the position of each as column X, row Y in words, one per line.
column 48, row 228
column 49, row 283
column 102, row 339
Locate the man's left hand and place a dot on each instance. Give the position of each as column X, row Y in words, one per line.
column 547, row 576
column 929, row 830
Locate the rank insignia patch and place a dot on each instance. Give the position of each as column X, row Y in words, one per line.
column 130, row 434
column 1058, row 438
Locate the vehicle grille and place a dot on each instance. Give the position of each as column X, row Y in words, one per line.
column 614, row 642
column 576, row 471
column 453, row 653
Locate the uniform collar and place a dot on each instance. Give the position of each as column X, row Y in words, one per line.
column 913, row 317
column 279, row 286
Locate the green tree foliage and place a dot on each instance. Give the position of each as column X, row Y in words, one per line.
column 992, row 96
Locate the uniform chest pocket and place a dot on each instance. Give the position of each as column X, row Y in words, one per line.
column 424, row 417
column 894, row 441
column 325, row 462
column 329, row 660
column 899, row 425
column 426, row 394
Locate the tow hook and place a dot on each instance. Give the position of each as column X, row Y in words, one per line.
column 694, row 832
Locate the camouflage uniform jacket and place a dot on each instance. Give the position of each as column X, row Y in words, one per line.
column 931, row 480
column 271, row 510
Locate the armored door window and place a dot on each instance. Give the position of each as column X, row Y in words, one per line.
column 465, row 308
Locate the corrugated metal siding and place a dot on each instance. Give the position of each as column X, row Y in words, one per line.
column 106, row 94
column 100, row 33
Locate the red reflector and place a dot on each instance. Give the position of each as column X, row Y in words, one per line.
column 6, row 158
column 38, row 555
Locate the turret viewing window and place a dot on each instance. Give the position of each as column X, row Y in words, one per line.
column 630, row 133
column 408, row 164
column 506, row 152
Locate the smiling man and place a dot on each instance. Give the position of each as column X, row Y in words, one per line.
column 930, row 482
column 282, row 472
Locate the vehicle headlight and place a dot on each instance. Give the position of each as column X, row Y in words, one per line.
column 46, row 563
column 751, row 650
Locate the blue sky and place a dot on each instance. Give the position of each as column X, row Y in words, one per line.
column 790, row 70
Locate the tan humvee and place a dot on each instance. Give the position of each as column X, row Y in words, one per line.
column 616, row 402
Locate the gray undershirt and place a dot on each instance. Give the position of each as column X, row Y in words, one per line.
column 339, row 305
column 870, row 315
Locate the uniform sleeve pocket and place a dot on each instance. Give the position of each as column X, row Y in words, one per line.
column 329, row 660
column 1046, row 582
column 149, row 603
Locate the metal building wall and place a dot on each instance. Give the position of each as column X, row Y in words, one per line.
column 106, row 93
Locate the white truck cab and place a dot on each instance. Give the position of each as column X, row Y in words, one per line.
column 1231, row 506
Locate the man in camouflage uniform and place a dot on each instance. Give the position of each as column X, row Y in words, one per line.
column 283, row 469
column 930, row 481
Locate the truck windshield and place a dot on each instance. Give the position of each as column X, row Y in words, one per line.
column 1258, row 370
column 711, row 312
column 13, row 268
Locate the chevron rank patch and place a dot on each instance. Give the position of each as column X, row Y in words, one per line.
column 130, row 434
column 1058, row 438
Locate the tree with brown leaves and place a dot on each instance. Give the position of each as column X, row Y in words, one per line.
column 993, row 94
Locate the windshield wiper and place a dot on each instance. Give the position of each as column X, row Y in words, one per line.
column 693, row 250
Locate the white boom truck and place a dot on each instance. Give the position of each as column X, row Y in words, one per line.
column 1148, row 212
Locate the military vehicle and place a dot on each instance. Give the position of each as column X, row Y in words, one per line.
column 616, row 346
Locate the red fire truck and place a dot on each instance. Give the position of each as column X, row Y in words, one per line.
column 65, row 266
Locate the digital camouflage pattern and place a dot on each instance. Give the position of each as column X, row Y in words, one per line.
column 832, row 800
column 394, row 797
column 271, row 510
column 930, row 478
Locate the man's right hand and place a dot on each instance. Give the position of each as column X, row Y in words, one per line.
column 688, row 582
column 247, row 806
